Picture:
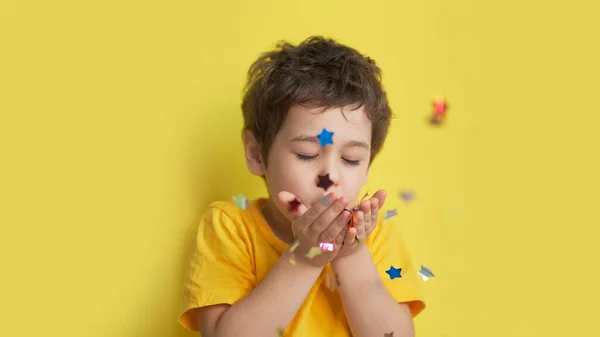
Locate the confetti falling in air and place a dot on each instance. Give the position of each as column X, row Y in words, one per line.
column 407, row 196
column 326, row 246
column 324, row 182
column 325, row 137
column 240, row 201
column 440, row 110
column 426, row 273
column 294, row 204
column 390, row 214
column 294, row 245
column 390, row 334
column 394, row 272
column 314, row 251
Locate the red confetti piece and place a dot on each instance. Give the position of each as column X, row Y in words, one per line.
column 294, row 204
column 324, row 182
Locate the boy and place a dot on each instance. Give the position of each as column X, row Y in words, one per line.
column 315, row 116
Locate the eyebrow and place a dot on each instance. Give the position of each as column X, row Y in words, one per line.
column 314, row 139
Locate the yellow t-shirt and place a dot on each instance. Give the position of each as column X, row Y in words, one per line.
column 235, row 249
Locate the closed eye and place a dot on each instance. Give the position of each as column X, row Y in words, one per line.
column 352, row 162
column 306, row 158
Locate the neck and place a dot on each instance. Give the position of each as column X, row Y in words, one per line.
column 279, row 224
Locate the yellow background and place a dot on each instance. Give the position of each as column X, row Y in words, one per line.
column 120, row 122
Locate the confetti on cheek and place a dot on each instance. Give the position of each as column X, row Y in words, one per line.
column 324, row 182
column 394, row 272
column 240, row 201
column 325, row 137
column 314, row 251
column 294, row 204
column 425, row 273
column 326, row 246
column 390, row 214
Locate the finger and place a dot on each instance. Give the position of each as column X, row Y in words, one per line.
column 381, row 195
column 335, row 228
column 291, row 203
column 374, row 215
column 327, row 218
column 360, row 225
column 340, row 239
column 350, row 236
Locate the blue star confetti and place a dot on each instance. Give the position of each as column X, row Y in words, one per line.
column 425, row 273
column 325, row 137
column 394, row 272
column 390, row 214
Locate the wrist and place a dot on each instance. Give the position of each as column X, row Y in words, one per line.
column 353, row 257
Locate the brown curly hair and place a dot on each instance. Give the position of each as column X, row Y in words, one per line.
column 318, row 73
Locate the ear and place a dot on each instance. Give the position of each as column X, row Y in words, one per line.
column 254, row 159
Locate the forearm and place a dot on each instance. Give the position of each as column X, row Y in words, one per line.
column 370, row 308
column 272, row 304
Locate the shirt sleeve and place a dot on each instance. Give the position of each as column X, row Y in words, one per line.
column 220, row 269
column 388, row 250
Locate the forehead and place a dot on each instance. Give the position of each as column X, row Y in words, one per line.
column 343, row 121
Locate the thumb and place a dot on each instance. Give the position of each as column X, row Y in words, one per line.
column 294, row 206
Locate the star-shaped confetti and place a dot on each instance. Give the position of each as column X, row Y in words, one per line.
column 326, row 246
column 240, row 201
column 314, row 251
column 294, row 245
column 390, row 214
column 324, row 182
column 390, row 334
column 426, row 273
column 294, row 204
column 325, row 137
column 394, row 272
column 407, row 196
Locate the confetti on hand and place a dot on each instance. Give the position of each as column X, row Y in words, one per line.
column 324, row 182
column 293, row 205
column 326, row 246
column 314, row 251
column 294, row 245
column 394, row 272
column 240, row 201
column 426, row 273
column 325, row 137
column 407, row 196
column 390, row 214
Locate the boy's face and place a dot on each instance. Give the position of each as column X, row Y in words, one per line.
column 296, row 157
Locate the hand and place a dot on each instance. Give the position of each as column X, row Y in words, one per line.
column 365, row 220
column 326, row 221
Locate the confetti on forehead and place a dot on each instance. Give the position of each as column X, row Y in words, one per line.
column 324, row 182
column 325, row 137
